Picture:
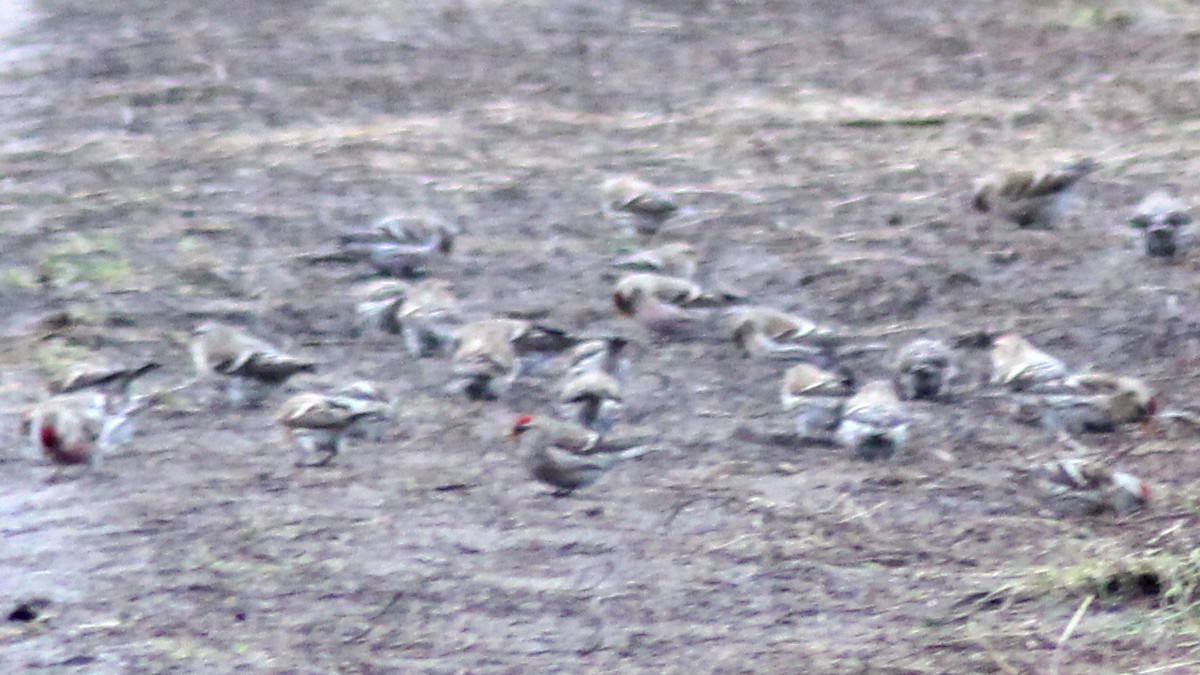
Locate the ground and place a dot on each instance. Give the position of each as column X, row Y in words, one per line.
column 169, row 161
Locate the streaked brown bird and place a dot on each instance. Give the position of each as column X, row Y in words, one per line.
column 608, row 355
column 591, row 398
column 377, row 304
column 815, row 397
column 401, row 246
column 252, row 368
column 765, row 332
column 492, row 353
column 667, row 306
column 554, row 453
column 640, row 206
column 1029, row 198
column 1018, row 365
column 374, row 427
column 1075, row 487
column 1090, row 402
column 429, row 318
column 874, row 422
column 318, row 423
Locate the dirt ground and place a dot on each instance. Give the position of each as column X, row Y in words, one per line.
column 167, row 161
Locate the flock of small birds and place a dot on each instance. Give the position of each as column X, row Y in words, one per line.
column 661, row 290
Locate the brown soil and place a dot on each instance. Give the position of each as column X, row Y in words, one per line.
column 168, row 161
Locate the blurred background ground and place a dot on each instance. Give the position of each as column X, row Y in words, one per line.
column 166, row 161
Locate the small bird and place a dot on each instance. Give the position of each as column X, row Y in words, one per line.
column 534, row 432
column 379, row 301
column 252, row 367
column 608, row 355
column 113, row 383
column 677, row 259
column 591, row 398
column 677, row 291
column 815, row 397
column 377, row 304
column 924, row 369
column 400, row 246
column 430, row 318
column 765, row 332
column 79, row 427
column 318, row 423
column 1028, row 198
column 1019, row 365
column 666, row 306
column 1090, row 402
column 640, row 206
column 537, row 344
column 484, row 363
column 374, row 427
column 1077, row 487
column 113, row 380
column 1160, row 217
column 874, row 422
column 553, row 453
column 70, row 428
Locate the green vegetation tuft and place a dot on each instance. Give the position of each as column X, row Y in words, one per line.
column 80, row 258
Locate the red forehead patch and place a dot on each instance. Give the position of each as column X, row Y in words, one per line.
column 523, row 420
column 1144, row 490
column 48, row 437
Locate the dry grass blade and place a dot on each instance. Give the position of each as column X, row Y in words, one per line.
column 1068, row 631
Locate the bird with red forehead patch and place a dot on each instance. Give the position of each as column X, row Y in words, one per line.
column 1080, row 488
column 563, row 455
column 71, row 429
column 533, row 431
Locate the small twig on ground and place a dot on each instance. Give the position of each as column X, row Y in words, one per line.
column 1068, row 631
column 1161, row 535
